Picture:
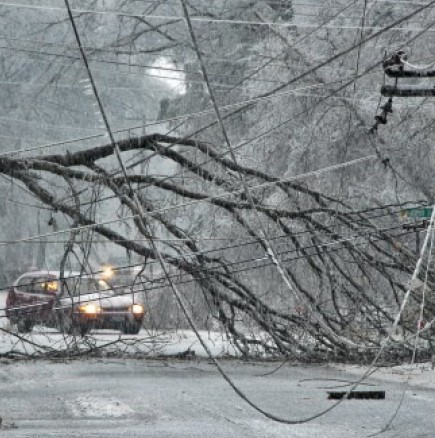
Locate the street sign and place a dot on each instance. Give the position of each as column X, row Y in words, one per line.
column 419, row 212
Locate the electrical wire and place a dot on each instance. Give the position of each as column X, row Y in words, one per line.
column 291, row 118
column 333, row 58
column 312, row 70
column 129, row 51
column 320, row 4
column 178, row 240
column 162, row 121
column 416, row 340
column 362, row 233
column 112, row 196
column 26, row 204
column 225, row 60
column 267, row 246
column 197, row 19
column 367, row 70
column 133, row 65
column 165, row 209
column 209, row 271
column 53, row 126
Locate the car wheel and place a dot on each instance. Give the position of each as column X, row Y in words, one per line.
column 69, row 326
column 83, row 329
column 131, row 328
column 12, row 318
column 24, row 325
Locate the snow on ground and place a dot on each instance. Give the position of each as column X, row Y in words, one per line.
column 151, row 343
column 419, row 375
column 112, row 398
column 102, row 406
column 147, row 342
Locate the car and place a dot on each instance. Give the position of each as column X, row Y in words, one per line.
column 74, row 305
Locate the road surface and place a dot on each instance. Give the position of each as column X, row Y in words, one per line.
column 149, row 398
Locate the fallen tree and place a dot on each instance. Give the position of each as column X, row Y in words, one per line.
column 349, row 266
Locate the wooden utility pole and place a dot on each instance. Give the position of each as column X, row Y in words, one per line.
column 397, row 67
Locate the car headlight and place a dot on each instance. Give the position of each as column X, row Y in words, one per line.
column 107, row 272
column 137, row 309
column 90, row 309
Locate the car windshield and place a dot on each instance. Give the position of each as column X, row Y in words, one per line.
column 84, row 285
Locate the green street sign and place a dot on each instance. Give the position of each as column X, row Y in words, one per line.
column 419, row 212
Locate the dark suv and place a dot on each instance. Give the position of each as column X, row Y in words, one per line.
column 76, row 304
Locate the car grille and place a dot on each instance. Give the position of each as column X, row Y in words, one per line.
column 116, row 309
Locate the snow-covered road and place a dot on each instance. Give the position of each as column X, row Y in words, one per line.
column 148, row 398
column 132, row 398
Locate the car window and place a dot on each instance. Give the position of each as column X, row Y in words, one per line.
column 84, row 285
column 43, row 284
column 47, row 284
column 32, row 286
column 126, row 281
column 24, row 284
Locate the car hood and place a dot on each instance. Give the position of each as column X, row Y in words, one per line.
column 102, row 300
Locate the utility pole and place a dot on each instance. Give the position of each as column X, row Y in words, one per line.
column 397, row 67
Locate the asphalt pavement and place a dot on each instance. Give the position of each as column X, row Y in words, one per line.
column 150, row 398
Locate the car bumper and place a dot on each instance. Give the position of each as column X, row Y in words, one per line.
column 107, row 320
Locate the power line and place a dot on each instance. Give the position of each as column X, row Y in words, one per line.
column 262, row 235
column 314, row 69
column 171, row 119
column 133, row 65
column 148, row 16
column 157, row 76
column 198, row 19
column 369, row 69
column 159, row 122
column 129, row 50
column 95, row 225
column 43, row 125
column 338, row 55
column 26, row 204
column 417, row 335
column 212, row 272
column 320, row 4
column 209, row 198
column 269, row 130
column 361, row 233
column 227, row 60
